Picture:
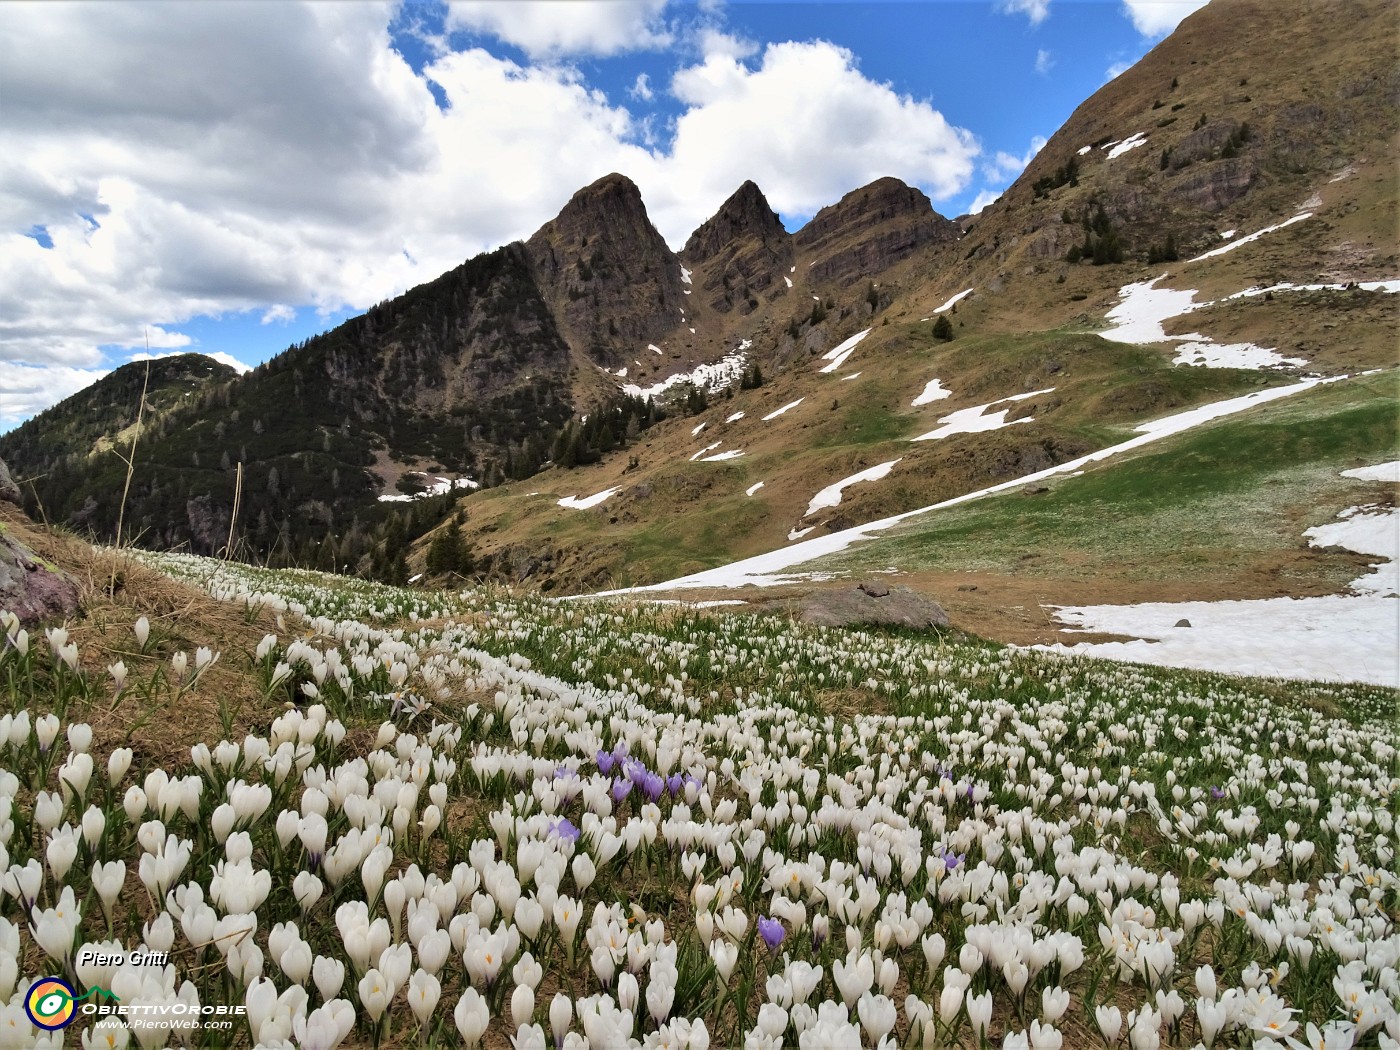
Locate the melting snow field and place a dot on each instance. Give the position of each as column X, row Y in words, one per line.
column 575, row 503
column 831, row 495
column 766, row 570
column 724, row 372
column 954, row 300
column 1132, row 142
column 933, row 391
column 1250, row 237
column 973, row 421
column 779, row 411
column 437, row 488
column 837, row 354
column 1338, row 638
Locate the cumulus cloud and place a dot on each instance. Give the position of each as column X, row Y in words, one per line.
column 272, row 156
column 641, row 88
column 554, row 28
column 28, row 389
column 1044, row 61
column 1035, row 10
column 1005, row 166
column 807, row 126
column 1154, row 18
column 984, row 198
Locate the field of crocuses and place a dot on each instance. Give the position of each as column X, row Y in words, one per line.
column 481, row 819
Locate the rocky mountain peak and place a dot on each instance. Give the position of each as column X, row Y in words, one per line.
column 606, row 271
column 870, row 229
column 741, row 250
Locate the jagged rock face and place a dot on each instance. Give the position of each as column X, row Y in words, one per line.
column 31, row 588
column 1218, row 185
column 609, row 277
column 739, row 253
column 869, row 230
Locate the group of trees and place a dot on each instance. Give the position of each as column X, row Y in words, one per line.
column 1101, row 244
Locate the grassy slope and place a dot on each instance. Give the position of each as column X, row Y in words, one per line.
column 1209, row 504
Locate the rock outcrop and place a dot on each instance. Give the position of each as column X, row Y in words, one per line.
column 30, row 587
column 872, row 603
column 608, row 276
column 739, row 253
column 869, row 230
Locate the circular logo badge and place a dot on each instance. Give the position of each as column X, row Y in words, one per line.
column 49, row 1003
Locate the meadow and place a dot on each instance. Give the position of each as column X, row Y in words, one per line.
column 381, row 817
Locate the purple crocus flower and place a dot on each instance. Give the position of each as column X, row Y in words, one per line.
column 605, row 761
column 652, row 785
column 772, row 932
column 620, row 789
column 952, row 860
column 565, row 829
column 565, row 773
column 674, row 783
column 1216, row 792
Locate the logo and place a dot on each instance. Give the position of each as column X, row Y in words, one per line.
column 50, row 1004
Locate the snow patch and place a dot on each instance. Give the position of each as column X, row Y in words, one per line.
column 1250, row 237
column 655, row 349
column 779, row 411
column 797, row 534
column 788, row 279
column 1083, row 150
column 707, row 448
column 974, row 420
column 718, row 457
column 753, row 488
column 734, row 417
column 723, row 373
column 1225, row 235
column 954, row 300
column 1380, row 472
column 853, row 375
column 837, row 354
column 933, row 391
column 576, row 503
column 831, row 495
column 440, row 487
column 696, row 429
column 1131, row 142
column 685, row 276
column 1231, row 355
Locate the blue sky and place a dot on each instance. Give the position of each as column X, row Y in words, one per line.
column 234, row 177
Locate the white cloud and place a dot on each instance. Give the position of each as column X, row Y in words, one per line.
column 983, row 199
column 554, row 28
column 807, row 126
column 1004, row 167
column 1154, row 18
column 272, row 156
column 280, row 313
column 1117, row 70
column 641, row 88
column 1035, row 10
column 1044, row 61
column 28, row 389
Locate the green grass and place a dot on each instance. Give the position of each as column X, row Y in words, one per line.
column 1193, row 507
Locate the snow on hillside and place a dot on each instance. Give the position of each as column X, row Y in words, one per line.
column 766, row 570
column 577, row 503
column 933, row 391
column 720, row 457
column 753, row 488
column 779, row 411
column 1143, row 307
column 1250, row 237
column 974, row 421
column 723, row 373
column 837, row 354
column 954, row 301
column 1130, row 143
column 1342, row 638
column 831, row 495
column 440, row 487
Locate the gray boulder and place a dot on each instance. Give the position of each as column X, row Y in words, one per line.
column 872, row 604
column 30, row 587
column 9, row 491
